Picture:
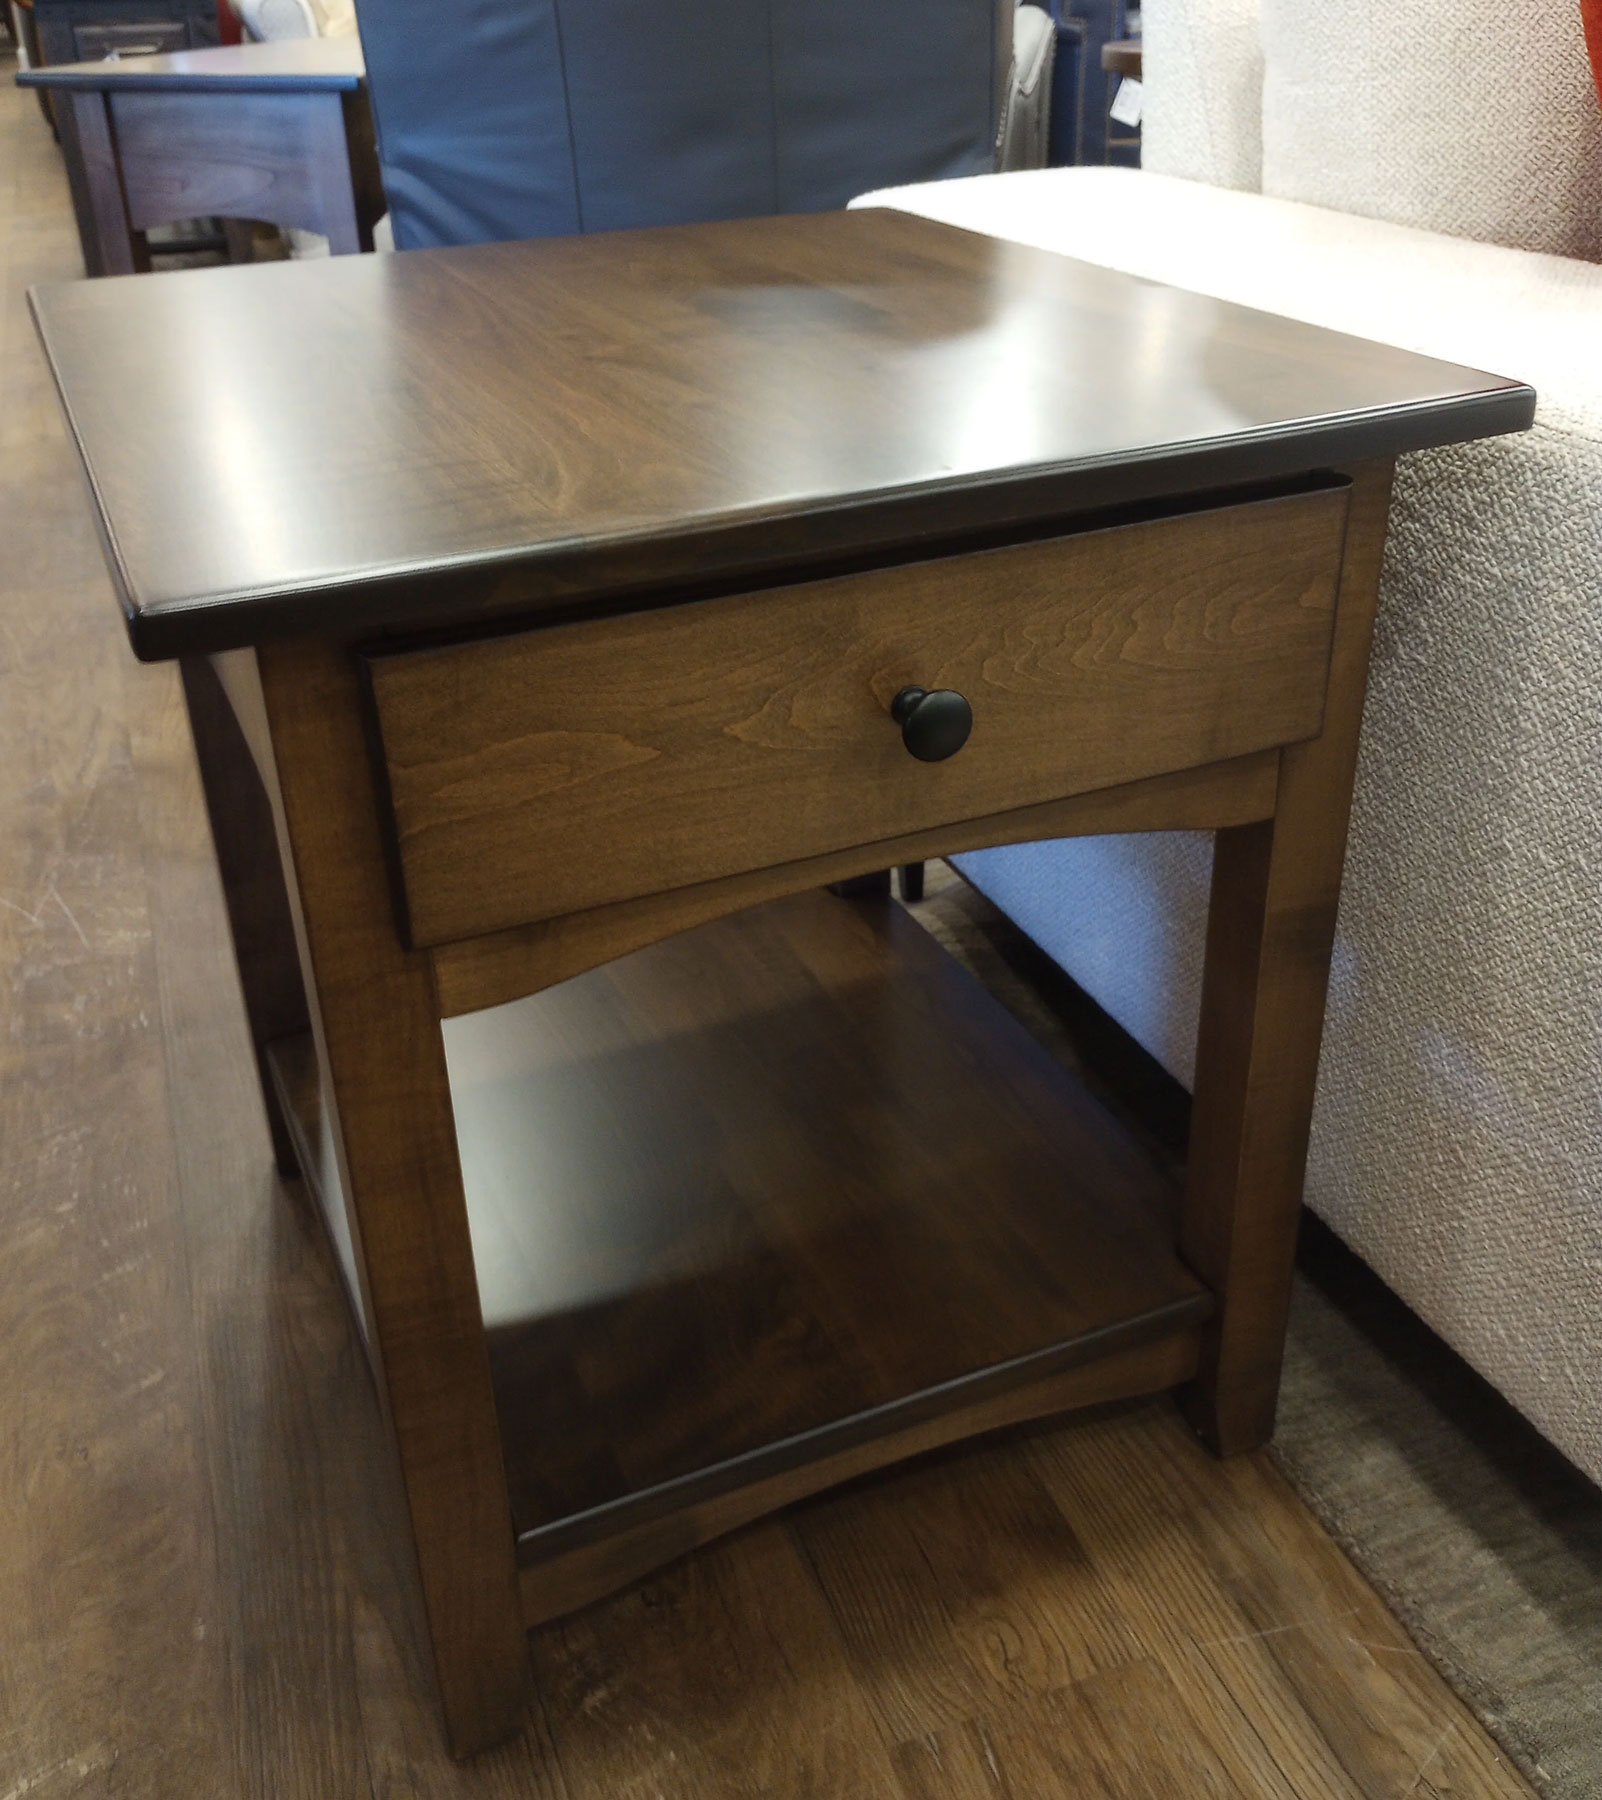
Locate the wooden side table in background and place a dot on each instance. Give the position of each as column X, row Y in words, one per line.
column 65, row 31
column 278, row 132
column 77, row 30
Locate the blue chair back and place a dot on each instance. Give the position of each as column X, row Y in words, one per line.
column 534, row 118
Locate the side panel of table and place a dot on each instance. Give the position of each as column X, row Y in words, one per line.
column 296, row 159
column 278, row 158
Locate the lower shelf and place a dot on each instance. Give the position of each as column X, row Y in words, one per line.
column 769, row 1204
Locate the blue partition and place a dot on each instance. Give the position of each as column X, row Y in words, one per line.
column 529, row 118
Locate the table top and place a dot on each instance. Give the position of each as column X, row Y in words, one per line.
column 292, row 64
column 439, row 438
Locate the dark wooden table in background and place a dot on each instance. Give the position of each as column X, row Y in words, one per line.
column 1123, row 57
column 76, row 30
column 279, row 133
column 542, row 610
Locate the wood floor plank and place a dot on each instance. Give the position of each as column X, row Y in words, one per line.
column 110, row 1658
column 724, row 1676
column 1184, row 1541
column 959, row 1590
column 1126, row 1734
column 92, row 1310
column 1139, row 1538
column 1300, row 1552
column 957, row 1763
column 262, row 1323
column 1352, row 1700
column 1364, row 1685
column 1359, row 1678
column 962, row 1601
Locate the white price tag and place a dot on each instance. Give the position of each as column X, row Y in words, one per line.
column 1127, row 102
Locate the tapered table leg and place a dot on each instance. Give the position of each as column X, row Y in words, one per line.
column 110, row 246
column 253, row 884
column 376, row 1019
column 1270, row 933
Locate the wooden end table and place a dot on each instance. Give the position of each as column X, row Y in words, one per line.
column 557, row 619
column 279, row 133
column 70, row 30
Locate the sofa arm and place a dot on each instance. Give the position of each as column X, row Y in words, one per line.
column 1203, row 75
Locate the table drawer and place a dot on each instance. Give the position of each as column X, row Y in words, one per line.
column 574, row 765
column 132, row 37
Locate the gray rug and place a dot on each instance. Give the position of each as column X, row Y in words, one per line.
column 1483, row 1540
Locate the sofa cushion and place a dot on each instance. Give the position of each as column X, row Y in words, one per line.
column 1474, row 117
column 1203, row 69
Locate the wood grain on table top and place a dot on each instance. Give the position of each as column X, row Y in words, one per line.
column 447, row 436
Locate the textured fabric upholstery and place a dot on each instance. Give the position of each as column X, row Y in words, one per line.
column 1475, row 117
column 1204, row 62
column 531, row 118
column 1457, row 1140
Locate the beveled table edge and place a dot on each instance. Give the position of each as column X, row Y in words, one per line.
column 522, row 581
column 199, row 73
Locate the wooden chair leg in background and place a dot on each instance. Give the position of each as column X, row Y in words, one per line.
column 875, row 886
column 909, row 884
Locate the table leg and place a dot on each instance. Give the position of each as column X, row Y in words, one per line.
column 253, row 883
column 366, row 179
column 376, row 1020
column 328, row 174
column 1270, row 933
column 95, row 180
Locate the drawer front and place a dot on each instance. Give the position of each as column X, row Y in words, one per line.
column 574, row 765
column 95, row 42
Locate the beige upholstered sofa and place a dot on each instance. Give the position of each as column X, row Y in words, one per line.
column 1430, row 176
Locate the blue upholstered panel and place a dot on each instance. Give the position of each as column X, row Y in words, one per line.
column 472, row 120
column 672, row 110
column 861, row 85
column 533, row 118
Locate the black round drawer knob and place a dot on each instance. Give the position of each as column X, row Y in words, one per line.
column 934, row 725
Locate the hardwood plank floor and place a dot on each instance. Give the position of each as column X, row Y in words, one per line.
column 202, row 1585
